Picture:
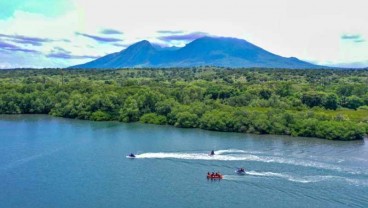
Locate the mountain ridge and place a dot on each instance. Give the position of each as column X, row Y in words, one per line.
column 205, row 51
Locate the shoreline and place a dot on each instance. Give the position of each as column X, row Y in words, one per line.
column 365, row 137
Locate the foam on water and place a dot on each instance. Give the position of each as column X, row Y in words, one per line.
column 234, row 151
column 297, row 179
column 242, row 155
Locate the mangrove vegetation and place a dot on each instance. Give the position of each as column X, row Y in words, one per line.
column 329, row 103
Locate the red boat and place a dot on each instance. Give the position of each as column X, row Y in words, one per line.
column 214, row 176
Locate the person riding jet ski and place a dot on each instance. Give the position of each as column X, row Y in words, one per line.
column 131, row 155
column 240, row 171
column 212, row 153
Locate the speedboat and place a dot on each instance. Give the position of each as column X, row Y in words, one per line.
column 131, row 155
column 240, row 171
column 214, row 176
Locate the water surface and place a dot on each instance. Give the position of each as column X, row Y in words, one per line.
column 55, row 162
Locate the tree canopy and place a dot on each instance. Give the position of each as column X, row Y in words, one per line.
column 330, row 104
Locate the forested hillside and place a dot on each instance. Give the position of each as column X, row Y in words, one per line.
column 330, row 104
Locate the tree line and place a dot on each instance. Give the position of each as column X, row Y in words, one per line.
column 330, row 104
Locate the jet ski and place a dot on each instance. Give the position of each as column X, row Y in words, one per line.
column 240, row 171
column 212, row 153
column 131, row 155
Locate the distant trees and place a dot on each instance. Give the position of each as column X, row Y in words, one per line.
column 261, row 101
column 217, row 120
column 186, row 120
column 330, row 102
column 353, row 102
column 153, row 118
column 313, row 99
column 328, row 129
column 130, row 110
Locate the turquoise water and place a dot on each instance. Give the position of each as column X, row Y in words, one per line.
column 55, row 162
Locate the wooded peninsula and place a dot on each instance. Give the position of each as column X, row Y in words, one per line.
column 326, row 103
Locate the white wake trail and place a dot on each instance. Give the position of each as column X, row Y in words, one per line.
column 242, row 155
column 298, row 179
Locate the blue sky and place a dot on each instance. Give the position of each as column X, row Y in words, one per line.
column 60, row 33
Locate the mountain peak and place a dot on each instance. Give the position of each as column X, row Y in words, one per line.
column 222, row 43
column 141, row 44
column 208, row 50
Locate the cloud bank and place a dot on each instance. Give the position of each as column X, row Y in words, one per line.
column 333, row 32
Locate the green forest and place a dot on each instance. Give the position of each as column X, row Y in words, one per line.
column 329, row 103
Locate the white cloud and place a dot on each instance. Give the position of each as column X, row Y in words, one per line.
column 310, row 30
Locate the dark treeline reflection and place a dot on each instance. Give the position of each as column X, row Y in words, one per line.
column 330, row 104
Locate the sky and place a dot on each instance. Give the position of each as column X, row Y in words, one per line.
column 61, row 33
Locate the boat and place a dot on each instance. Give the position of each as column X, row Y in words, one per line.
column 131, row 155
column 240, row 171
column 215, row 176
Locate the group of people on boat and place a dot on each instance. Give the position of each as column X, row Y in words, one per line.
column 214, row 175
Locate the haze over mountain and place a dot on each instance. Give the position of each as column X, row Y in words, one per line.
column 206, row 51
